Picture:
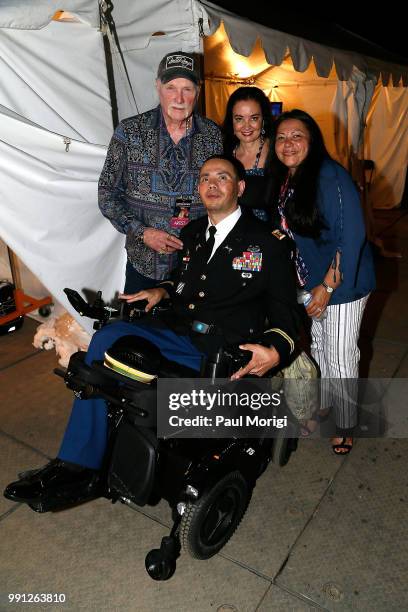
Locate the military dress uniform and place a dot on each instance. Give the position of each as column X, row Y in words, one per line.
column 248, row 280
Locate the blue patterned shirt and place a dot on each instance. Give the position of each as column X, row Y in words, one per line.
column 144, row 173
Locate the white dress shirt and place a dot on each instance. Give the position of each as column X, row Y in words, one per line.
column 223, row 229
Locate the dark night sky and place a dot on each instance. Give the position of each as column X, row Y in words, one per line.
column 387, row 32
column 328, row 26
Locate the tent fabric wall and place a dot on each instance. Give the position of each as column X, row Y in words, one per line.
column 56, row 78
column 243, row 34
column 145, row 36
column 57, row 86
column 282, row 83
column 30, row 15
column 331, row 102
column 62, row 87
column 386, row 143
column 49, row 214
column 339, row 107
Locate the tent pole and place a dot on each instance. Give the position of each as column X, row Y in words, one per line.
column 15, row 270
column 111, row 80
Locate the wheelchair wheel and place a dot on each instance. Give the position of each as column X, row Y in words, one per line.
column 209, row 523
column 282, row 450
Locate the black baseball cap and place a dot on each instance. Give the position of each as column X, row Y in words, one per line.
column 179, row 65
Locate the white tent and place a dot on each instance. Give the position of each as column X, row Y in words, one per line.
column 360, row 102
column 55, row 111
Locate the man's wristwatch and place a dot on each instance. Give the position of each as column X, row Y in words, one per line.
column 327, row 287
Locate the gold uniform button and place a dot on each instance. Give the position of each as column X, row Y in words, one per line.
column 191, row 306
column 203, row 277
column 201, row 294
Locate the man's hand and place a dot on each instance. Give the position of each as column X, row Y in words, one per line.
column 160, row 241
column 263, row 359
column 153, row 296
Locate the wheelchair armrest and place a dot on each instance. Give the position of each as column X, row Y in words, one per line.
column 136, row 310
column 97, row 381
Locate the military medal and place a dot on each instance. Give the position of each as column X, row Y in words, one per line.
column 249, row 261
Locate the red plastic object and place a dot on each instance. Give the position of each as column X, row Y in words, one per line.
column 24, row 305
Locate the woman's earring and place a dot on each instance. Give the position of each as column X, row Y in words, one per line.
column 263, row 129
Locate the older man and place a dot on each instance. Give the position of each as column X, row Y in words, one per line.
column 232, row 274
column 148, row 185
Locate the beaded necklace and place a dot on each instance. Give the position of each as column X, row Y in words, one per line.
column 258, row 155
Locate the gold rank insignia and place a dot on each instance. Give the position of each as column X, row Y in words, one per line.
column 278, row 234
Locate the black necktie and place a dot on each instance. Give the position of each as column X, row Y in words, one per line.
column 209, row 245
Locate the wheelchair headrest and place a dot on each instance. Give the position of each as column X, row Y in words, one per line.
column 134, row 357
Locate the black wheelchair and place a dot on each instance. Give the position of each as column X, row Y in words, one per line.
column 208, row 483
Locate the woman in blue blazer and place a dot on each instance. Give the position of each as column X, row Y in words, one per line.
column 319, row 207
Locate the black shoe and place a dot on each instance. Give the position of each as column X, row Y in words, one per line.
column 58, row 484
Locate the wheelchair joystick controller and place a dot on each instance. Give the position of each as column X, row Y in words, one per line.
column 225, row 362
column 97, row 310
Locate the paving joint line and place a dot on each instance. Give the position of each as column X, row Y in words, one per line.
column 140, row 511
column 311, row 517
column 10, row 511
column 299, row 596
column 10, row 365
column 249, row 568
column 25, row 444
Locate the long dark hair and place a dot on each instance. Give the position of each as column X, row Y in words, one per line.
column 301, row 211
column 245, row 93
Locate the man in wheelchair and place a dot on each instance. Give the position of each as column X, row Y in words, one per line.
column 232, row 275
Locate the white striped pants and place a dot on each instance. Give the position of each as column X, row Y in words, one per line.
column 334, row 347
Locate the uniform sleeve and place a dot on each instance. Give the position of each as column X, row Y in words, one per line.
column 113, row 183
column 283, row 311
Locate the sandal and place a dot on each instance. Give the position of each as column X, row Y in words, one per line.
column 307, row 429
column 343, row 447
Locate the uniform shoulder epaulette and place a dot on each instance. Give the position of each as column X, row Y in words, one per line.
column 278, row 234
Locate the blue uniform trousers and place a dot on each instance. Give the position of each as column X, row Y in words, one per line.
column 85, row 437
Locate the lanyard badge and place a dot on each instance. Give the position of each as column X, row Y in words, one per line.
column 181, row 213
